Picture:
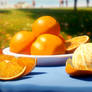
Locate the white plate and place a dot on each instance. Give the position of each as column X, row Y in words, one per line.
column 46, row 60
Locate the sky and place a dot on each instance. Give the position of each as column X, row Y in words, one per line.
column 51, row 2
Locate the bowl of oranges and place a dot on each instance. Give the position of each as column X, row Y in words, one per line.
column 44, row 43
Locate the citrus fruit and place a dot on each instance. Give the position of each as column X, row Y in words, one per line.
column 0, row 51
column 13, row 68
column 48, row 44
column 30, row 63
column 21, row 41
column 10, row 68
column 61, row 37
column 82, row 57
column 69, row 37
column 73, row 43
column 71, row 70
column 46, row 25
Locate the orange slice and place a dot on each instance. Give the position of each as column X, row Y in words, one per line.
column 10, row 68
column 71, row 70
column 30, row 63
column 73, row 43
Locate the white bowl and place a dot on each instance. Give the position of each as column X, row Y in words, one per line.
column 43, row 60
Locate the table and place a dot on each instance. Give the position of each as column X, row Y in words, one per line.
column 48, row 79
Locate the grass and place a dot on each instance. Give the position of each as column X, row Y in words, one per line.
column 72, row 23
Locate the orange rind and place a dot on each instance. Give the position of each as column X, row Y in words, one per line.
column 15, row 67
column 48, row 44
column 30, row 63
column 0, row 51
column 72, row 71
column 75, row 42
column 45, row 25
column 9, row 68
column 61, row 37
column 21, row 42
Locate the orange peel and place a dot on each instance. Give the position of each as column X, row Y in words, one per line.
column 71, row 70
column 75, row 42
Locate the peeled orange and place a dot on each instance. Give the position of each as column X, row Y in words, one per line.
column 82, row 58
column 73, row 71
column 81, row 62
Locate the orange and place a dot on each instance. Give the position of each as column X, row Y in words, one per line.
column 73, row 43
column 69, row 37
column 0, row 51
column 30, row 63
column 71, row 70
column 21, row 41
column 13, row 68
column 61, row 37
column 82, row 57
column 9, row 68
column 48, row 44
column 46, row 25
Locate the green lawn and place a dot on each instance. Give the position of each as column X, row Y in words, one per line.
column 72, row 23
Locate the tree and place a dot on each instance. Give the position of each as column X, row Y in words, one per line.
column 87, row 3
column 66, row 3
column 75, row 5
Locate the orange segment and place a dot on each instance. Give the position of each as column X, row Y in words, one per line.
column 10, row 68
column 71, row 70
column 73, row 43
column 30, row 63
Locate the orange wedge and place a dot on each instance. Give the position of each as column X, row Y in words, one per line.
column 30, row 63
column 71, row 70
column 9, row 68
column 73, row 43
column 13, row 68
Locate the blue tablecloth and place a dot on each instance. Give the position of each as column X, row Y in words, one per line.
column 48, row 79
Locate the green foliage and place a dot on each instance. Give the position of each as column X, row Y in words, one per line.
column 72, row 22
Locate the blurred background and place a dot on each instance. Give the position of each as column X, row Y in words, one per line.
column 74, row 16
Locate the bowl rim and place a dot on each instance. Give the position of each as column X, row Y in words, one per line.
column 6, row 51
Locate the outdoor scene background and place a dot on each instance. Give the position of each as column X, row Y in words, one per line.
column 73, row 23
column 52, row 2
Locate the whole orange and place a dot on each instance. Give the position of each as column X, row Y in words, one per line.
column 21, row 41
column 61, row 37
column 47, row 25
column 48, row 44
column 0, row 51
